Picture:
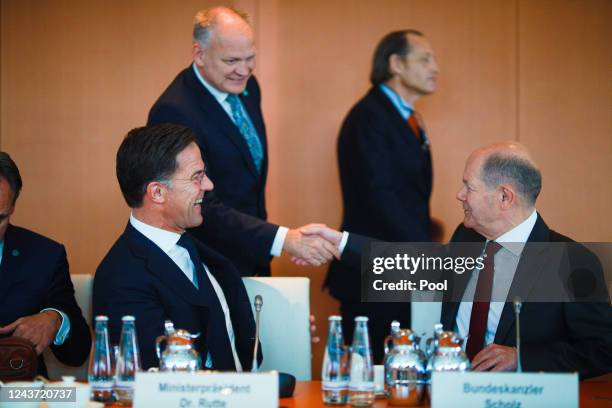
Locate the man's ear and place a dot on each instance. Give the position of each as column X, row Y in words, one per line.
column 156, row 192
column 507, row 196
column 395, row 64
column 197, row 54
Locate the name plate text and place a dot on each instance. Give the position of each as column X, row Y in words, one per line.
column 206, row 390
column 504, row 390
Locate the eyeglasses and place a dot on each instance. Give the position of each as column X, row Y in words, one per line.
column 197, row 178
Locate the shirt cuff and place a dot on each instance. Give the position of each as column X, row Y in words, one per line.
column 279, row 241
column 343, row 241
column 64, row 329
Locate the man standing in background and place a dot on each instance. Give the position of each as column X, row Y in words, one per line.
column 219, row 99
column 385, row 170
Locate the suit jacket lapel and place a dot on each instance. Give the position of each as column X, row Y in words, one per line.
column 210, row 108
column 528, row 272
column 10, row 267
column 219, row 344
column 407, row 136
column 218, row 267
column 163, row 267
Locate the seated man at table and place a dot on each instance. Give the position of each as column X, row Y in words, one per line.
column 36, row 294
column 500, row 186
column 156, row 271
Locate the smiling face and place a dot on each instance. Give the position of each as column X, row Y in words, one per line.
column 227, row 60
column 185, row 190
column 480, row 206
column 6, row 206
column 416, row 74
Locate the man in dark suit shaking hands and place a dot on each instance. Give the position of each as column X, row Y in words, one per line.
column 219, row 99
column 501, row 184
column 156, row 271
column 36, row 294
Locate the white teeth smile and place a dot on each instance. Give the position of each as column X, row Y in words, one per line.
column 198, row 202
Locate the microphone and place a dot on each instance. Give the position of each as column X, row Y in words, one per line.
column 258, row 303
column 517, row 311
column 286, row 382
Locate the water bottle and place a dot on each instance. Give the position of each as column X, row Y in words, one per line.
column 361, row 381
column 101, row 371
column 128, row 362
column 334, row 372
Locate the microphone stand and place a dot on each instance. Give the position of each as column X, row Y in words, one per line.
column 258, row 303
column 517, row 311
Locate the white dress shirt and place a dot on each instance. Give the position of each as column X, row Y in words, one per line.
column 221, row 97
column 505, row 262
column 166, row 241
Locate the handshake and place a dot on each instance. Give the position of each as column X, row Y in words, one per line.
column 313, row 244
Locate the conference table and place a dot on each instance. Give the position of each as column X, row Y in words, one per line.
column 594, row 393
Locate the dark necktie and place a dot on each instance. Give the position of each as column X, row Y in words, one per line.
column 217, row 339
column 482, row 300
column 247, row 130
column 414, row 125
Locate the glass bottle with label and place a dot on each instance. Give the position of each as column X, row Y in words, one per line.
column 334, row 372
column 101, row 371
column 128, row 362
column 361, row 380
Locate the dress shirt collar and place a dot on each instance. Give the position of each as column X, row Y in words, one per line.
column 164, row 239
column 400, row 104
column 217, row 94
column 515, row 239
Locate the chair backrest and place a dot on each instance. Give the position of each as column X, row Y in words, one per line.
column 284, row 324
column 83, row 286
column 425, row 311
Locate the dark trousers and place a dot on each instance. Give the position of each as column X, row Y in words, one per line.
column 380, row 316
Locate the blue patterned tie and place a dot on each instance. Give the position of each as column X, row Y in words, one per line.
column 247, row 130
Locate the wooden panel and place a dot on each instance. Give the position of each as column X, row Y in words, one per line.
column 76, row 76
column 565, row 117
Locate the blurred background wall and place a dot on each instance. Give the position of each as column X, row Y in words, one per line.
column 77, row 75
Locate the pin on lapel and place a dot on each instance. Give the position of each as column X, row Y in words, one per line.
column 15, row 252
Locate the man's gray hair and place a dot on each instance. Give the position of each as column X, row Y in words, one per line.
column 501, row 168
column 206, row 20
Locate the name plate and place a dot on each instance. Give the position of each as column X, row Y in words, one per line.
column 206, row 390
column 504, row 390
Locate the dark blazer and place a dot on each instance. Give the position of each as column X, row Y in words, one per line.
column 244, row 238
column 137, row 278
column 569, row 336
column 386, row 179
column 34, row 276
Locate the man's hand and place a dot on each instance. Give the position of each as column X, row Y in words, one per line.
column 323, row 231
column 495, row 358
column 310, row 249
column 39, row 328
